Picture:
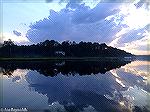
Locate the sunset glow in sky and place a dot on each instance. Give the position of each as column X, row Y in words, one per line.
column 121, row 24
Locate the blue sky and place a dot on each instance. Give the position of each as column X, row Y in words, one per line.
column 124, row 25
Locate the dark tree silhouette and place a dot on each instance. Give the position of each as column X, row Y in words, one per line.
column 52, row 68
column 8, row 43
column 52, row 48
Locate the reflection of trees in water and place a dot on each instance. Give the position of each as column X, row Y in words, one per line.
column 80, row 98
column 52, row 68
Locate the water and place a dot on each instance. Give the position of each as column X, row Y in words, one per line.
column 76, row 86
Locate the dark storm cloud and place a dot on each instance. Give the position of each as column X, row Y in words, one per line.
column 77, row 22
column 17, row 33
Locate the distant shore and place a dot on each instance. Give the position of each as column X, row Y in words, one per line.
column 63, row 58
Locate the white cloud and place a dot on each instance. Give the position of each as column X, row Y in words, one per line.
column 117, row 37
column 134, row 37
column 136, row 17
column 140, row 47
column 17, row 39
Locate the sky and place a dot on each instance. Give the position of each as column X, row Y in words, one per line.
column 124, row 24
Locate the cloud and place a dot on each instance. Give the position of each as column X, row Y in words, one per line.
column 17, row 33
column 16, row 39
column 140, row 46
column 112, row 22
column 140, row 3
column 60, row 1
column 132, row 35
column 76, row 22
column 134, row 41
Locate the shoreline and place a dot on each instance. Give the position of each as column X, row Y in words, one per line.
column 66, row 58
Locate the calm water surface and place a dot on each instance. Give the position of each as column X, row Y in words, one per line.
column 76, row 86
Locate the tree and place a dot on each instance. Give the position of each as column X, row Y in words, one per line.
column 1, row 45
column 8, row 43
column 48, row 48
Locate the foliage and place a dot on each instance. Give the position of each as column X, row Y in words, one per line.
column 52, row 48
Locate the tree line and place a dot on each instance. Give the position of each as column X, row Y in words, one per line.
column 52, row 48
